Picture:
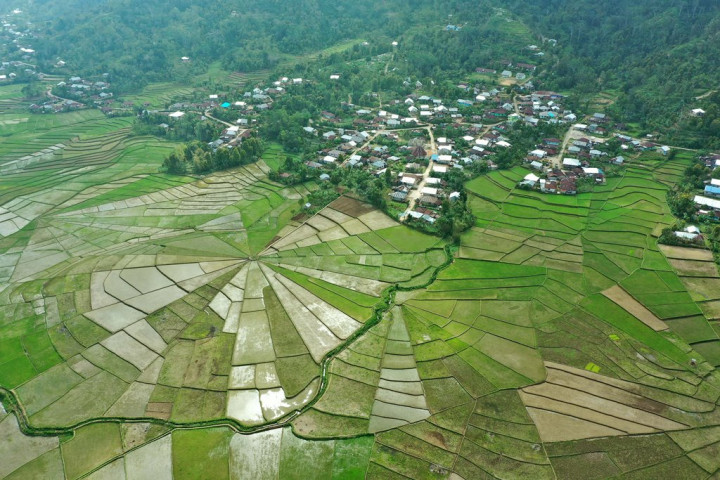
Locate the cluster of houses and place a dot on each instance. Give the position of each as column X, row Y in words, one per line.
column 84, row 89
column 249, row 103
column 17, row 70
column 77, row 93
column 562, row 180
column 510, row 69
column 709, row 202
column 690, row 234
column 542, row 105
column 631, row 144
column 56, row 106
column 18, row 52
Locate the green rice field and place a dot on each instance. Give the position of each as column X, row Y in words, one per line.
column 186, row 327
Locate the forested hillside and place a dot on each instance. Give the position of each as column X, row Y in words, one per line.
column 139, row 41
column 658, row 56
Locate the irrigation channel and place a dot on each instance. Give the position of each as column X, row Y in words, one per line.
column 10, row 401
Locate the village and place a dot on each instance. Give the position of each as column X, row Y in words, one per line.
column 708, row 203
column 17, row 64
column 417, row 143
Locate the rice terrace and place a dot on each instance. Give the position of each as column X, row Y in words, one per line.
column 327, row 258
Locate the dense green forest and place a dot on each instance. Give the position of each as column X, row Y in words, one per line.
column 138, row 41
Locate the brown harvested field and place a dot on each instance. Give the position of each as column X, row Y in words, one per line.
column 350, row 206
column 702, row 288
column 573, row 404
column 683, row 253
column 555, row 427
column 694, row 268
column 159, row 410
column 618, row 295
column 711, row 310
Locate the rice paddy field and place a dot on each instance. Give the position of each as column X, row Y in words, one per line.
column 169, row 327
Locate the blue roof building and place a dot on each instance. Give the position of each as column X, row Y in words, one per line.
column 712, row 190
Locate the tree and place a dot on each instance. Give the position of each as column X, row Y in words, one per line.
column 682, row 204
column 174, row 165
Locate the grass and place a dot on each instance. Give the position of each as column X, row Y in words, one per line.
column 339, row 297
column 274, row 155
column 300, row 459
column 201, row 453
column 90, row 447
column 351, row 457
column 89, row 399
column 611, row 313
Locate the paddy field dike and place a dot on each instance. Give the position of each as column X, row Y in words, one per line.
column 154, row 326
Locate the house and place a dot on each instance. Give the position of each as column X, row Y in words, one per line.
column 712, row 190
column 433, row 181
column 548, row 186
column 399, row 196
column 408, row 181
column 538, row 153
column 176, row 115
column 698, row 112
column 707, row 202
column 571, row 162
column 691, row 237
column 530, row 179
column 506, row 74
column 329, row 135
column 431, row 191
column 536, row 165
column 430, row 200
column 496, row 112
column 418, row 152
column 664, row 149
column 567, row 186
